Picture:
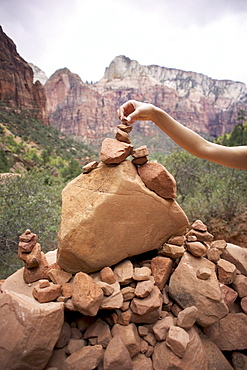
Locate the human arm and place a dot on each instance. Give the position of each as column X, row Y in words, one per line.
column 234, row 157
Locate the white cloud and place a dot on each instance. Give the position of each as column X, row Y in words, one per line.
column 85, row 35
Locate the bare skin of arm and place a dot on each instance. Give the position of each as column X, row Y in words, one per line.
column 234, row 157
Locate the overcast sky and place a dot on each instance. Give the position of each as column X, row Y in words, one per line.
column 205, row 36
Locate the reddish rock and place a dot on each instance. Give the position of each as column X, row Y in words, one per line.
column 177, row 340
column 177, row 240
column 107, row 288
column 187, row 317
column 36, row 273
column 199, row 225
column 64, row 336
column 59, row 276
column 204, row 294
column 124, row 317
column 243, row 304
column 214, row 254
column 67, row 290
column 142, row 362
column 124, row 271
column 203, row 273
column 75, row 345
column 128, row 293
column 122, row 136
column 148, row 304
column 240, row 285
column 157, row 178
column 161, row 327
column 141, row 273
column 86, row 296
column 194, row 357
column 226, row 271
column 230, row 332
column 237, row 256
column 47, row 294
column 143, row 288
column 125, row 127
column 107, row 275
column 114, row 151
column 129, row 336
column 161, row 268
column 86, row 358
column 201, row 236
column 89, row 167
column 140, row 152
column 117, row 355
column 140, row 161
column 229, row 295
column 172, row 251
column 196, row 248
column 32, row 258
column 115, row 300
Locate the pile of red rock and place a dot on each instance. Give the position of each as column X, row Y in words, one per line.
column 181, row 305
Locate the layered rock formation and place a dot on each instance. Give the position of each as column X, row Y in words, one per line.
column 205, row 105
column 17, row 89
column 38, row 74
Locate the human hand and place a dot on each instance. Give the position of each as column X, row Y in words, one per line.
column 133, row 110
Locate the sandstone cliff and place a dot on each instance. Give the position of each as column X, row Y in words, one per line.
column 17, row 89
column 205, row 105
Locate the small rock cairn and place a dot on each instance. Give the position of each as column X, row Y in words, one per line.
column 133, row 315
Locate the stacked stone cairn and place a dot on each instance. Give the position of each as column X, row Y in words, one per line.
column 180, row 306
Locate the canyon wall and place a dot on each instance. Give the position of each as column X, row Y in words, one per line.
column 17, row 89
column 89, row 110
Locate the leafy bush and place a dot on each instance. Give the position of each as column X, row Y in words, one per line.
column 30, row 202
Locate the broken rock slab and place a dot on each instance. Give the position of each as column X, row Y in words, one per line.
column 103, row 218
column 29, row 331
column 187, row 290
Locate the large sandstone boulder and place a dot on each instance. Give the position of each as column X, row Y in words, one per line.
column 29, row 331
column 188, row 290
column 109, row 215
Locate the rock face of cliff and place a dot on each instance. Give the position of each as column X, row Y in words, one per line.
column 17, row 89
column 38, row 74
column 205, row 105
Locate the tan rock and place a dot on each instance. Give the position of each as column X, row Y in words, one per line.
column 125, row 127
column 124, row 271
column 204, row 294
column 89, row 167
column 172, row 251
column 107, row 275
column 214, row 254
column 142, row 330
column 237, row 256
column 229, row 295
column 75, row 345
column 243, row 304
column 148, row 304
column 161, row 268
column 230, row 332
column 199, row 225
column 150, row 339
column 59, row 276
column 201, row 236
column 239, row 361
column 226, row 271
column 43, row 283
column 216, row 359
column 47, row 294
column 24, row 343
column 240, row 285
column 143, row 288
column 86, row 358
column 142, row 362
column 114, row 151
column 57, row 359
column 162, row 326
column 27, row 241
column 117, row 355
column 194, row 358
column 124, row 317
column 219, row 244
column 107, row 288
column 128, row 293
column 196, row 248
column 141, row 273
column 113, row 301
column 95, row 204
column 87, row 296
column 129, row 336
column 33, row 258
column 147, row 318
column 177, row 240
column 203, row 273
column 157, row 178
column 177, row 340
column 64, row 336
column 67, row 290
column 187, row 317
column 122, row 136
column 140, row 152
